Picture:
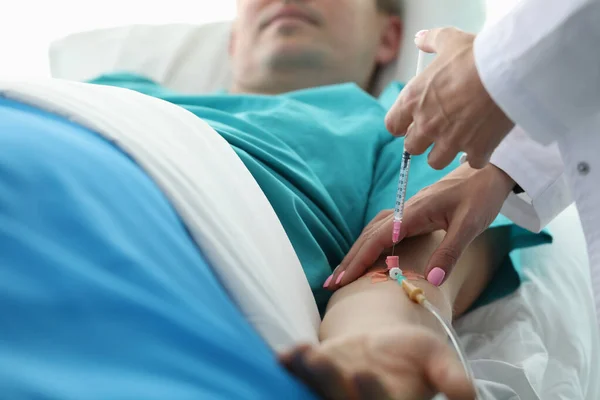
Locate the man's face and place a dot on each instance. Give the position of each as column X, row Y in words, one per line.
column 346, row 36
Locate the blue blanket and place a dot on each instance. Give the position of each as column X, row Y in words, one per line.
column 103, row 295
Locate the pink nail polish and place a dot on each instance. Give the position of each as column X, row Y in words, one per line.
column 339, row 279
column 421, row 33
column 328, row 281
column 436, row 276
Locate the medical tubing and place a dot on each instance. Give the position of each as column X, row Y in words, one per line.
column 452, row 335
column 416, row 295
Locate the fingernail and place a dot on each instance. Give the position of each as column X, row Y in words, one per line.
column 436, row 276
column 328, row 281
column 420, row 33
column 339, row 279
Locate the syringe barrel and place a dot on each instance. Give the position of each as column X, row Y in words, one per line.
column 402, row 186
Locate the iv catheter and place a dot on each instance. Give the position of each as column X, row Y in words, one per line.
column 403, row 178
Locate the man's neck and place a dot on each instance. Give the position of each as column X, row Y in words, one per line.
column 278, row 82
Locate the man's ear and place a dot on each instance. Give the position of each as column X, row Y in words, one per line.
column 391, row 38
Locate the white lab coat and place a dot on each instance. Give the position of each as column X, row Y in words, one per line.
column 541, row 65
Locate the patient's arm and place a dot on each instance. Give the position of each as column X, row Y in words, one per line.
column 363, row 306
column 375, row 327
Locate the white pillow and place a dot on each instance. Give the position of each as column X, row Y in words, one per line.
column 194, row 59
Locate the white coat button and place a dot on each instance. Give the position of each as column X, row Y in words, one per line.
column 583, row 168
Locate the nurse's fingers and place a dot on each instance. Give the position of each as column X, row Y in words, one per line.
column 372, row 245
column 433, row 40
column 417, row 140
column 444, row 258
column 442, row 155
column 400, row 116
column 367, row 234
column 478, row 161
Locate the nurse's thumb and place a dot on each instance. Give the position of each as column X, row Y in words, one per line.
column 447, row 254
column 433, row 40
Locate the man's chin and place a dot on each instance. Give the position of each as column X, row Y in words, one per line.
column 296, row 55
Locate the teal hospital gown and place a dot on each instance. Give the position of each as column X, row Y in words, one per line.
column 326, row 163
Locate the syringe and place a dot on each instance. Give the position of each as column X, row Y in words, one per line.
column 403, row 179
column 401, row 196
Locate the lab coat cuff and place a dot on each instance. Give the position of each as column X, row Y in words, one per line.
column 517, row 208
column 500, row 78
column 544, row 183
column 535, row 214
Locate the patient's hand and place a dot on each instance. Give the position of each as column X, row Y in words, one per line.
column 409, row 362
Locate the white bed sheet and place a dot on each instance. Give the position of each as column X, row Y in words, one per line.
column 541, row 342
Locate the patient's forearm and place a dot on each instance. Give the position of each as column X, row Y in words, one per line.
column 363, row 306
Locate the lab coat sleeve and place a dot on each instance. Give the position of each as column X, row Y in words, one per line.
column 539, row 170
column 540, row 65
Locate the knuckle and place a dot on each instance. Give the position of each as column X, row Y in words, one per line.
column 428, row 128
column 449, row 254
column 447, row 146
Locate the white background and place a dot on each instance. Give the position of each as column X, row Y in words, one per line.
column 28, row 26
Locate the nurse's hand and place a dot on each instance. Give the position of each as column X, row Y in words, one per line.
column 464, row 204
column 447, row 105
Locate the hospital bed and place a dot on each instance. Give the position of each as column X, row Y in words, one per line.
column 539, row 343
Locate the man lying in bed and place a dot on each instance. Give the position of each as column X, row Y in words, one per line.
column 103, row 294
column 300, row 117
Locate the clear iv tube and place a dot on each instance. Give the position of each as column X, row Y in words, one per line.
column 454, row 339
